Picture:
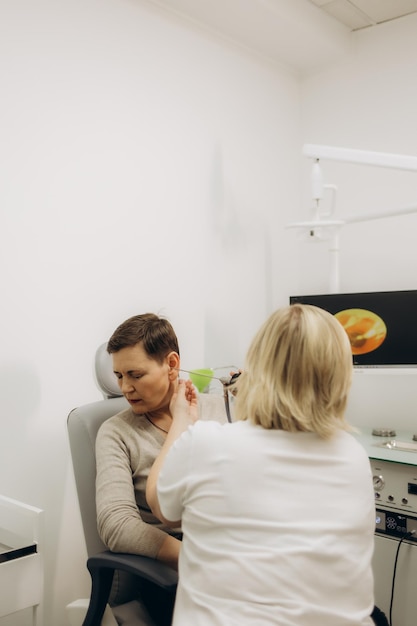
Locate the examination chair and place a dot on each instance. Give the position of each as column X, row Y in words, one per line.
column 83, row 424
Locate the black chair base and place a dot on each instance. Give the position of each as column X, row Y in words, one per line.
column 102, row 567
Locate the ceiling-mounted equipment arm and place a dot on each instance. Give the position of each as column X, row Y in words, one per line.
column 317, row 228
column 361, row 157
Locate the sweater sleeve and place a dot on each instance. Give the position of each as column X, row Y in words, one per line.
column 119, row 521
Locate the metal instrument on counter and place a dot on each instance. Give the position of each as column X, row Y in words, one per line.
column 226, row 381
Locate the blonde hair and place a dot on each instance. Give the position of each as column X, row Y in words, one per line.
column 298, row 373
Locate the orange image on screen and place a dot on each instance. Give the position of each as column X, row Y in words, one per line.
column 366, row 330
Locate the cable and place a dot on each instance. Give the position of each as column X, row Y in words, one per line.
column 405, row 536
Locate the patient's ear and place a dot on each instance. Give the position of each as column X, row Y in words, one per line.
column 173, row 363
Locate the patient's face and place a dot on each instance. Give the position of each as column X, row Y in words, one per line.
column 145, row 383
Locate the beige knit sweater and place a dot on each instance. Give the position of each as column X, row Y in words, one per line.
column 126, row 447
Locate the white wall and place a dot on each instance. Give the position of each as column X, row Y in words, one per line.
column 369, row 103
column 144, row 166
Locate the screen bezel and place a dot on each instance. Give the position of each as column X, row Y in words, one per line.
column 397, row 308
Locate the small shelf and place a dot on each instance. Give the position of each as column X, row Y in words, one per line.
column 9, row 553
column 14, row 546
column 21, row 566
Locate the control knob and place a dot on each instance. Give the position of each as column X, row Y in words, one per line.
column 378, row 482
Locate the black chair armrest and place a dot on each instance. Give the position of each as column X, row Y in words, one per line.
column 102, row 567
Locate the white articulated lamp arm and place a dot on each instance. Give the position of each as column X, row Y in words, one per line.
column 361, row 157
column 319, row 229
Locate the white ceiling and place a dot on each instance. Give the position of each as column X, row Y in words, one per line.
column 303, row 35
column 357, row 14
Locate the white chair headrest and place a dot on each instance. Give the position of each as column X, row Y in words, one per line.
column 105, row 378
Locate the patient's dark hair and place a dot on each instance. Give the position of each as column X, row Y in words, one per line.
column 155, row 333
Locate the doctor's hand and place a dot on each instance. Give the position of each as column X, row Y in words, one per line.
column 184, row 403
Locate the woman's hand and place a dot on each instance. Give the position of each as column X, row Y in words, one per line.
column 184, row 402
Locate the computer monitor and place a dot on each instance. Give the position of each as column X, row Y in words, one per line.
column 381, row 325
